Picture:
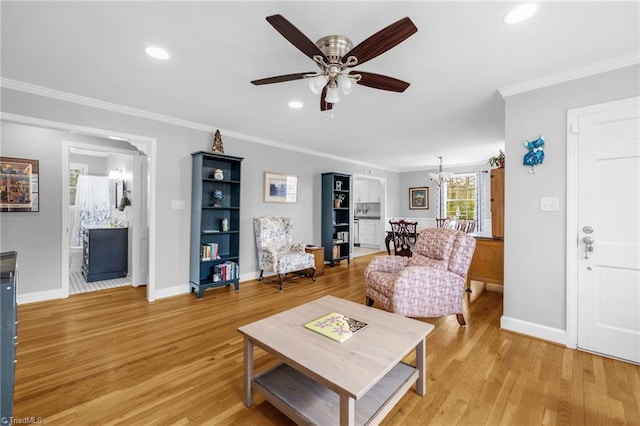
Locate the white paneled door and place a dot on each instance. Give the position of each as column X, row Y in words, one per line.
column 140, row 229
column 608, row 234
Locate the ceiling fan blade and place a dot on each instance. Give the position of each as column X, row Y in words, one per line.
column 383, row 40
column 383, row 82
column 324, row 105
column 281, row 78
column 295, row 36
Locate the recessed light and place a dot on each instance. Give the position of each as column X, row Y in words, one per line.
column 520, row 13
column 157, row 52
column 295, row 104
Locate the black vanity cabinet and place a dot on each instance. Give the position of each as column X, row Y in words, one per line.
column 104, row 253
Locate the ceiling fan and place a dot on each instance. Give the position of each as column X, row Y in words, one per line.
column 336, row 56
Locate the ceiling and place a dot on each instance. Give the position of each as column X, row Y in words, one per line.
column 461, row 54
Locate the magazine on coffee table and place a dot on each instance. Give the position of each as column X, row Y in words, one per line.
column 336, row 326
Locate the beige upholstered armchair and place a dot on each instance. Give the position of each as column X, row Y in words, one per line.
column 277, row 252
column 428, row 284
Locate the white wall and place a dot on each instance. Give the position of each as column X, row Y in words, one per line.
column 96, row 165
column 535, row 282
column 39, row 250
column 36, row 236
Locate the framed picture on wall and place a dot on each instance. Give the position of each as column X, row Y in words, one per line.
column 19, row 185
column 419, row 198
column 280, row 188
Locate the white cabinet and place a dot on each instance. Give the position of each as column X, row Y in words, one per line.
column 368, row 191
column 374, row 191
column 369, row 230
column 361, row 189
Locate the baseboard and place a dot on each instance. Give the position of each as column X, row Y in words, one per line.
column 543, row 332
column 250, row 276
column 161, row 293
column 39, row 296
column 177, row 290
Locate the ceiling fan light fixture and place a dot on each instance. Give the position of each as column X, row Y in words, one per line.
column 334, row 47
column 520, row 13
column 335, row 56
column 346, row 84
column 317, row 83
column 333, row 97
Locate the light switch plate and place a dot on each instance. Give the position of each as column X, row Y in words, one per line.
column 549, row 204
column 177, row 204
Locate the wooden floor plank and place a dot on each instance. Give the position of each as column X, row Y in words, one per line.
column 110, row 358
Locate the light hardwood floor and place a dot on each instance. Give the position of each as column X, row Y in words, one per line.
column 110, row 357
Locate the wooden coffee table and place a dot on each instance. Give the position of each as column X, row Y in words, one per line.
column 321, row 381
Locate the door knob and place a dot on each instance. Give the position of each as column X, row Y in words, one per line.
column 588, row 245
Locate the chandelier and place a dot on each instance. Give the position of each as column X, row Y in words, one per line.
column 333, row 74
column 440, row 177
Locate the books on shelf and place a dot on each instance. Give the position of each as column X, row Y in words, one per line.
column 343, row 235
column 226, row 271
column 209, row 251
column 336, row 326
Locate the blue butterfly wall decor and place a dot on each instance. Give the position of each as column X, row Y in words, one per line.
column 535, row 156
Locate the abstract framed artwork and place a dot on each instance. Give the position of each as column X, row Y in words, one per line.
column 280, row 188
column 419, row 198
column 19, row 185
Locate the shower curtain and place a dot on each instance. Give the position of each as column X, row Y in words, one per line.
column 92, row 205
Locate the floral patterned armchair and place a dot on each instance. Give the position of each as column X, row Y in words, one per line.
column 428, row 284
column 276, row 251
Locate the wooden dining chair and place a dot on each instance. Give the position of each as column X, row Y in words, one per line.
column 443, row 223
column 404, row 236
column 467, row 226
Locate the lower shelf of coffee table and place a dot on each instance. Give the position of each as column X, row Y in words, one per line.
column 306, row 401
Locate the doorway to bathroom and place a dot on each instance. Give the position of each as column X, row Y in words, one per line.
column 106, row 192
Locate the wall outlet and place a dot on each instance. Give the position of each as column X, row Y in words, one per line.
column 177, row 204
column 549, row 204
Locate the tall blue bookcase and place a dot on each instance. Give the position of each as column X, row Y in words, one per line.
column 336, row 217
column 215, row 222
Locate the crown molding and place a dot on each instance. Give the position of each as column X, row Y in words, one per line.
column 108, row 106
column 573, row 74
column 58, row 125
column 95, row 103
